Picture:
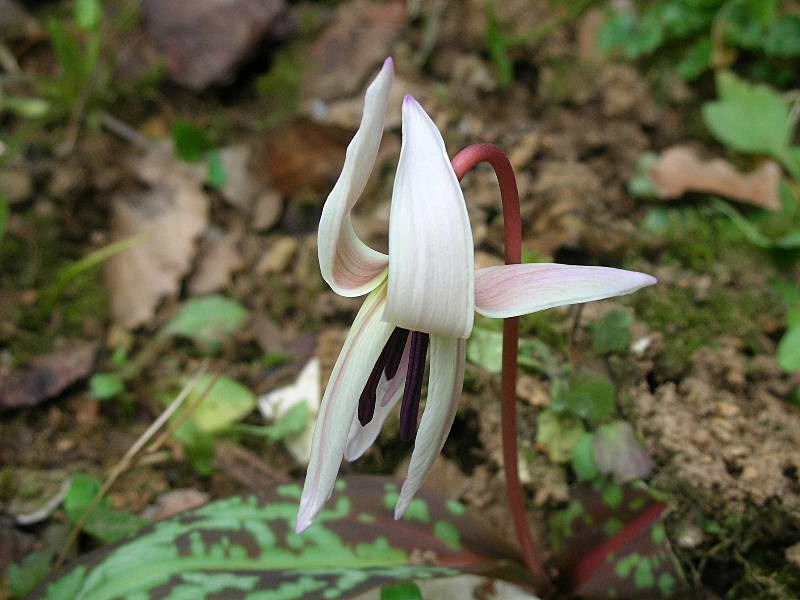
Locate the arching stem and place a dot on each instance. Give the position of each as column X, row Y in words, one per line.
column 463, row 162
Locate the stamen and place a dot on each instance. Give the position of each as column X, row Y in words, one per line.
column 388, row 358
column 413, row 390
column 395, row 352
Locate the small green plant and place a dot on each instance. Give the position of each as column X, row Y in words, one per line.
column 698, row 36
column 192, row 145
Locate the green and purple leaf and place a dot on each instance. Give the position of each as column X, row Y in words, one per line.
column 610, row 543
column 246, row 547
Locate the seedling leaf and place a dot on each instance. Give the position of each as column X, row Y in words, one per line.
column 104, row 522
column 208, row 321
column 751, row 118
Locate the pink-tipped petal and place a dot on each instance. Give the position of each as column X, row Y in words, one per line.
column 513, row 290
column 349, row 266
column 444, row 389
column 364, row 342
column 389, row 393
column 431, row 258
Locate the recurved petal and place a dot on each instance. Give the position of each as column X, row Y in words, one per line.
column 444, row 389
column 361, row 437
column 364, row 342
column 513, row 290
column 431, row 263
column 349, row 266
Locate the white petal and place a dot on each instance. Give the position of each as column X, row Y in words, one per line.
column 513, row 290
column 431, row 262
column 389, row 393
column 349, row 266
column 444, row 389
column 364, row 342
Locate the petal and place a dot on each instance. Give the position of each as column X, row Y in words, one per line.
column 349, row 266
column 444, row 389
column 339, row 404
column 361, row 437
column 431, row 262
column 513, row 290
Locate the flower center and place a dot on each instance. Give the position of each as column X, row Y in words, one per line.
column 388, row 363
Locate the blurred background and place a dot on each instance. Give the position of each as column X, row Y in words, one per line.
column 163, row 165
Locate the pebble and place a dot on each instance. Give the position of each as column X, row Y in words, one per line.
column 16, row 185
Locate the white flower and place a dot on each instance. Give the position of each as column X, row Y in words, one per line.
column 426, row 291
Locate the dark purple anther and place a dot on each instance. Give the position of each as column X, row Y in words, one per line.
column 413, row 389
column 389, row 358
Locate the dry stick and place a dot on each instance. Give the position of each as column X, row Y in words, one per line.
column 183, row 416
column 124, row 463
column 512, row 222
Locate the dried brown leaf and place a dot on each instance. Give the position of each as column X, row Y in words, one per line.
column 47, row 376
column 168, row 218
column 680, row 170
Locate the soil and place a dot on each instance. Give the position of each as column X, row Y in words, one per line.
column 703, row 391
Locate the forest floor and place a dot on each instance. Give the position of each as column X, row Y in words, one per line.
column 696, row 374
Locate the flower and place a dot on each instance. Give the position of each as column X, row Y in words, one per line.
column 424, row 293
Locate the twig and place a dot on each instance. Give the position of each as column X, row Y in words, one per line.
column 124, row 463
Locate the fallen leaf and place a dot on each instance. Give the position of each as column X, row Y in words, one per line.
column 300, row 156
column 219, row 259
column 47, row 376
column 306, row 389
column 618, row 453
column 240, row 187
column 175, row 502
column 680, row 170
column 168, row 218
column 205, row 40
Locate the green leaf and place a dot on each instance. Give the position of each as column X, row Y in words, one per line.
column 583, row 462
column 106, row 385
column 217, row 175
column 612, row 333
column 245, row 547
column 697, row 59
column 226, row 402
column 744, row 21
column 88, row 13
column 208, row 321
column 291, row 423
column 789, row 350
column 485, row 348
column 26, row 575
column 405, row 590
column 782, row 38
column 104, row 522
column 588, row 396
column 199, row 447
column 3, row 215
column 70, row 59
column 558, row 434
column 191, row 144
column 750, row 118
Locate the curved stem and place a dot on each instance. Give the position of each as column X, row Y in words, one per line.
column 463, row 162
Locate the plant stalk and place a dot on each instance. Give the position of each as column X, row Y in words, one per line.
column 463, row 162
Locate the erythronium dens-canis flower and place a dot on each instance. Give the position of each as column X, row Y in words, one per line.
column 422, row 296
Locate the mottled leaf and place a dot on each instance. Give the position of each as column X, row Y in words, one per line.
column 245, row 547
column 609, row 543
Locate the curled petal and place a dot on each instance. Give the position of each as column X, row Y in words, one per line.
column 339, row 404
column 513, row 290
column 444, row 389
column 431, row 262
column 349, row 266
column 361, row 437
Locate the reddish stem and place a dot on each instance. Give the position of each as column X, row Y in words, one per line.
column 463, row 162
